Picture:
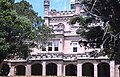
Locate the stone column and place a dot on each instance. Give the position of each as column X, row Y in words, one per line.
column 79, row 70
column 44, row 68
column 12, row 71
column 59, row 69
column 28, row 70
column 95, row 70
column 117, row 72
column 112, row 68
column 64, row 70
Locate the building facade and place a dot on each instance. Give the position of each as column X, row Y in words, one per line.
column 63, row 56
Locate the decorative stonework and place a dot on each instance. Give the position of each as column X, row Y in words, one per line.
column 65, row 57
column 58, row 19
column 61, row 13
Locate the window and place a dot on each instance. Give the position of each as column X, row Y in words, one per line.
column 75, row 45
column 74, row 49
column 49, row 46
column 56, row 45
column 72, row 6
column 43, row 46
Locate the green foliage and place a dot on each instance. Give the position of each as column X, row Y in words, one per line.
column 43, row 33
column 24, row 8
column 90, row 33
column 86, row 31
column 107, row 10
column 20, row 23
column 109, row 34
column 14, row 30
column 77, row 19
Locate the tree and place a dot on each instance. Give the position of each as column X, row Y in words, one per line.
column 42, row 32
column 14, row 30
column 24, row 8
column 107, row 12
column 18, row 26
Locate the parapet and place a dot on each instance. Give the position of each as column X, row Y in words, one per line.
column 53, row 12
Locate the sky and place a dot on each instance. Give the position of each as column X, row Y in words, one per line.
column 54, row 4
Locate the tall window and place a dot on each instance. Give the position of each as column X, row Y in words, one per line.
column 56, row 45
column 49, row 46
column 75, row 46
column 43, row 48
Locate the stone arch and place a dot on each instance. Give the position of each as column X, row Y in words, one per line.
column 20, row 70
column 71, row 70
column 36, row 69
column 88, row 69
column 51, row 69
column 61, row 26
column 103, row 70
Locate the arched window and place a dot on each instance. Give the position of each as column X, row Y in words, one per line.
column 51, row 69
column 103, row 70
column 20, row 70
column 36, row 69
column 60, row 26
column 71, row 70
column 88, row 69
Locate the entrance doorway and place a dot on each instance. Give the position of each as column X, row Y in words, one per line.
column 36, row 69
column 51, row 69
column 88, row 69
column 20, row 70
column 103, row 70
column 71, row 70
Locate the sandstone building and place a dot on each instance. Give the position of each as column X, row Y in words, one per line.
column 64, row 56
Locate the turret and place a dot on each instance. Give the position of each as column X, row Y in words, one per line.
column 46, row 7
column 72, row 4
column 77, row 7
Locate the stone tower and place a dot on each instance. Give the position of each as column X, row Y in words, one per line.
column 72, row 4
column 46, row 12
column 77, row 7
column 46, row 7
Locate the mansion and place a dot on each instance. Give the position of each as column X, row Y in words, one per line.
column 64, row 56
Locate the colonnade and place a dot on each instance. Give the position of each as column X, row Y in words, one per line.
column 61, row 69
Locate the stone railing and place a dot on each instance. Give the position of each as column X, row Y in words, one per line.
column 45, row 56
column 62, row 56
